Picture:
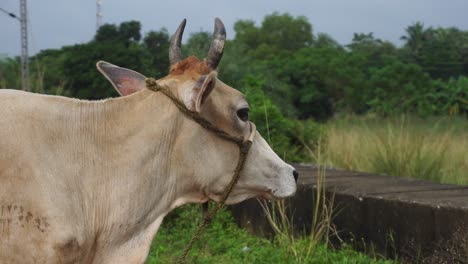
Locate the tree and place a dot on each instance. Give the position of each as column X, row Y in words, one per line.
column 415, row 36
column 47, row 72
column 400, row 88
column 247, row 34
column 130, row 31
column 278, row 34
column 10, row 73
column 291, row 139
column 325, row 80
column 286, row 32
column 450, row 97
column 157, row 44
column 324, row 40
column 198, row 44
column 442, row 56
column 107, row 32
column 442, row 52
column 375, row 51
column 118, row 45
column 269, row 120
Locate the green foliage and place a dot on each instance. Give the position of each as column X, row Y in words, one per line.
column 224, row 242
column 156, row 42
column 441, row 52
column 81, row 70
column 47, row 75
column 198, row 44
column 376, row 52
column 127, row 31
column 305, row 76
column 269, row 120
column 450, row 97
column 321, row 84
column 278, row 34
column 72, row 71
column 285, row 32
column 291, row 139
column 10, row 73
column 399, row 88
column 324, row 40
column 107, row 32
column 130, row 31
column 118, row 45
column 290, row 76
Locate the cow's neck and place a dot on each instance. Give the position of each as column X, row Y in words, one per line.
column 133, row 180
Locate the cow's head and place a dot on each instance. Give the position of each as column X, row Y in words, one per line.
column 206, row 160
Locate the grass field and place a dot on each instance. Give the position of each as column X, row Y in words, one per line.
column 224, row 242
column 435, row 148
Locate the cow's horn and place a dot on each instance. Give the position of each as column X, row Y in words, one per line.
column 217, row 45
column 175, row 53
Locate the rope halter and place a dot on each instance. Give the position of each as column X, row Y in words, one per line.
column 243, row 144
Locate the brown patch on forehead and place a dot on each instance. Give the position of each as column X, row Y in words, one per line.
column 191, row 63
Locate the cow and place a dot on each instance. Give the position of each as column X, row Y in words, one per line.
column 91, row 181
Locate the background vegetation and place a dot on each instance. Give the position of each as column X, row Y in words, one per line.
column 293, row 76
column 432, row 148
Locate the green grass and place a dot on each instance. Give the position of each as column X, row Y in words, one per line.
column 224, row 242
column 435, row 148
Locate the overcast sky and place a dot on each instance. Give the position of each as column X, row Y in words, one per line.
column 55, row 23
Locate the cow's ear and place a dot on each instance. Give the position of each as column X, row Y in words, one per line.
column 202, row 88
column 125, row 81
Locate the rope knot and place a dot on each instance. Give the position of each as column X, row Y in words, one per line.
column 245, row 146
column 153, row 85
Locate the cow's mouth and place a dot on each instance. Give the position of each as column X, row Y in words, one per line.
column 238, row 196
column 242, row 194
column 268, row 195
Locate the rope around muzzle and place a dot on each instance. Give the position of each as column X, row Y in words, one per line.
column 244, row 146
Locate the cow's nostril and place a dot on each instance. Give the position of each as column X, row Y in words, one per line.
column 296, row 175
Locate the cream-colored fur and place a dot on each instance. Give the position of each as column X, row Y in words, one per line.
column 91, row 181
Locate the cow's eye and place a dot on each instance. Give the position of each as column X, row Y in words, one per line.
column 243, row 114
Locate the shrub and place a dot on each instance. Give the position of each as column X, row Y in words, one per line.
column 293, row 140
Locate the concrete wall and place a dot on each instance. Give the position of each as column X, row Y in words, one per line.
column 419, row 221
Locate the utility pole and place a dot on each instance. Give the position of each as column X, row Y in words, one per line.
column 98, row 15
column 23, row 19
column 24, row 46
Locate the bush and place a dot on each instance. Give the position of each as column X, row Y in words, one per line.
column 293, row 140
column 399, row 88
column 450, row 97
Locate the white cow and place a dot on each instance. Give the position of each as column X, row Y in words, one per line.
column 91, row 181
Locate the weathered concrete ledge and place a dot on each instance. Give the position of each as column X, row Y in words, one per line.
column 417, row 220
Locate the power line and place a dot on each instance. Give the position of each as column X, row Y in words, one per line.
column 10, row 14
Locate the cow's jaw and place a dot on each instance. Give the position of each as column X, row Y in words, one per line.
column 267, row 172
column 264, row 175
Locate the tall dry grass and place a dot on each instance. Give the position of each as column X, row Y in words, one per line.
column 304, row 246
column 434, row 148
